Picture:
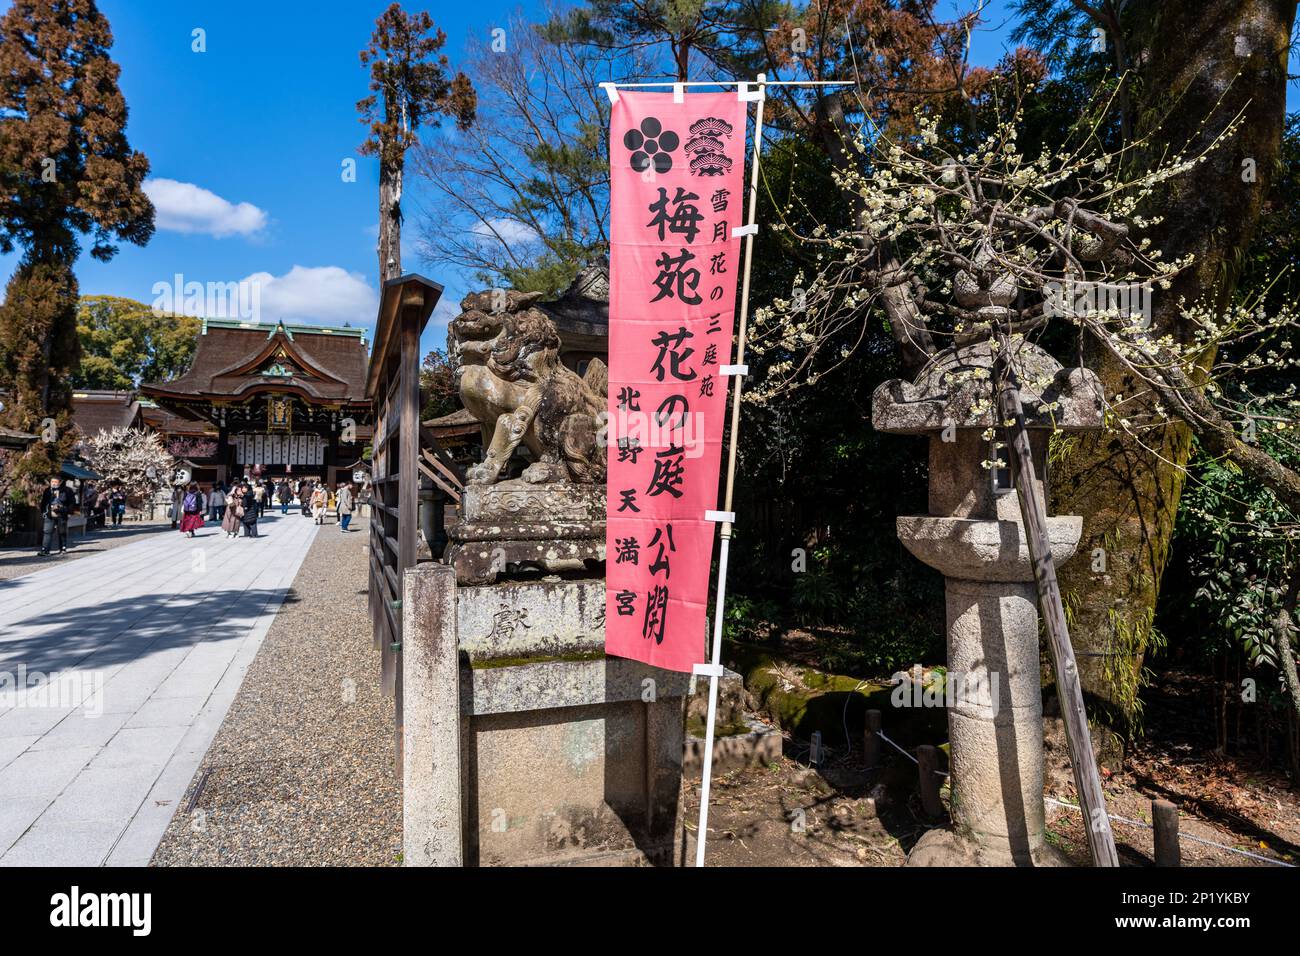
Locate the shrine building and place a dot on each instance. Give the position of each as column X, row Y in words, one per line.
column 278, row 400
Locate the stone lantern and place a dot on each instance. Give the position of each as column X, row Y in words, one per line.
column 975, row 537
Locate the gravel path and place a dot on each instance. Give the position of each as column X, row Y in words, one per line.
column 302, row 772
column 16, row 562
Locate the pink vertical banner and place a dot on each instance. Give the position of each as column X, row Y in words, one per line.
column 676, row 194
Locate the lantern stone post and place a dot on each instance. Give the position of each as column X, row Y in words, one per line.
column 974, row 536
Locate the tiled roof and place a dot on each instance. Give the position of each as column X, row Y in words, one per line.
column 583, row 308
column 169, row 423
column 94, row 410
column 331, row 362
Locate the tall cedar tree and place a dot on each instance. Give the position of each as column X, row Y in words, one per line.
column 66, row 170
column 409, row 86
column 1190, row 70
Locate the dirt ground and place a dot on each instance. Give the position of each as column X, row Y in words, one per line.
column 790, row 814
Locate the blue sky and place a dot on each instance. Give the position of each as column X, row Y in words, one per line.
column 265, row 117
column 247, row 142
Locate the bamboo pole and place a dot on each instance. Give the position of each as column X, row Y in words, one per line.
column 720, row 602
column 1011, row 418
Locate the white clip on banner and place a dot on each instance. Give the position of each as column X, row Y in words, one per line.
column 750, row 230
column 720, row 516
column 708, row 670
column 733, row 370
column 611, row 90
column 746, row 95
column 679, row 92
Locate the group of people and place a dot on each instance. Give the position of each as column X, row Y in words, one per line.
column 235, row 506
column 242, row 504
column 104, row 504
column 59, row 502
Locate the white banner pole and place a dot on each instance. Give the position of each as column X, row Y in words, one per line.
column 714, row 669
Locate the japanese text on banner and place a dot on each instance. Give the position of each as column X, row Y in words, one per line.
column 676, row 194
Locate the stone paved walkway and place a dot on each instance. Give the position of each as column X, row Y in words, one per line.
column 143, row 649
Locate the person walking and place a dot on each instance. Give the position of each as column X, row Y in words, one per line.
column 259, row 492
column 117, row 503
column 230, row 521
column 304, row 497
column 345, row 505
column 249, row 518
column 191, row 509
column 178, row 495
column 57, row 502
column 217, row 502
column 285, row 494
column 96, row 503
column 319, row 503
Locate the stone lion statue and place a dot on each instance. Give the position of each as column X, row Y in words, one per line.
column 510, row 378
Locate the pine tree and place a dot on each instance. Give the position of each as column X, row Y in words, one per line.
column 66, row 170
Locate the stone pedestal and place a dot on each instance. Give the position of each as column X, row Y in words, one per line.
column 515, row 524
column 995, row 724
column 524, row 744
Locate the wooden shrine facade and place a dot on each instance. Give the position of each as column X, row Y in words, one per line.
column 283, row 400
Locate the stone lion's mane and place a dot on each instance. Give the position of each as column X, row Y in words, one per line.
column 523, row 335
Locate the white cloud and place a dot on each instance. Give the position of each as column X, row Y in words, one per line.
column 323, row 295
column 510, row 230
column 185, row 207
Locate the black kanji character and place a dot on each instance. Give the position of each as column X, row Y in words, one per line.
column 656, row 614
column 667, row 411
column 675, row 280
column 627, row 397
column 629, row 500
column 628, row 449
column 626, row 601
column 670, row 470
column 628, row 551
column 683, row 220
column 661, row 559
column 668, row 344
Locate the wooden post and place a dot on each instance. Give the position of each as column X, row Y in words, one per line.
column 1011, row 417
column 871, row 740
column 927, row 768
column 1164, row 818
column 408, row 484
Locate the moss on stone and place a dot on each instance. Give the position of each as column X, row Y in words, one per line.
column 487, row 663
column 804, row 700
column 695, row 728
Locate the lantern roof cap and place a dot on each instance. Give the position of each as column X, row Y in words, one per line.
column 955, row 389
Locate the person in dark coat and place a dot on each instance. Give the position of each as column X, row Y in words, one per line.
column 250, row 513
column 57, row 502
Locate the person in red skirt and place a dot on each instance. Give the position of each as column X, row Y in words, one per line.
column 192, row 509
